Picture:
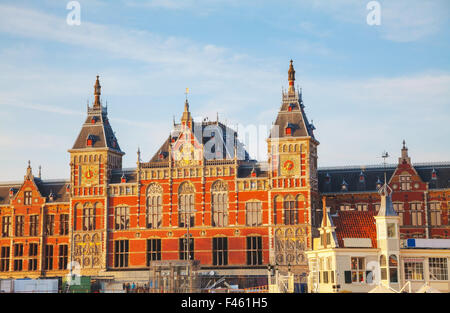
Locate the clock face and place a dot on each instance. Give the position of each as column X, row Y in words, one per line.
column 289, row 165
column 89, row 175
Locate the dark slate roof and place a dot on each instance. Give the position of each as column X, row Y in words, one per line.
column 202, row 133
column 46, row 188
column 100, row 131
column 351, row 175
column 355, row 224
column 245, row 171
column 386, row 207
column 296, row 118
column 129, row 174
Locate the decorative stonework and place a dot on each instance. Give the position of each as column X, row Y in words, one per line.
column 290, row 245
column 88, row 250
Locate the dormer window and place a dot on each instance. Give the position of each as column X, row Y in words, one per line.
column 361, row 177
column 90, row 141
column 344, row 185
column 289, row 129
column 123, row 179
column 327, row 178
column 93, row 120
column 434, row 174
column 379, row 183
column 291, row 107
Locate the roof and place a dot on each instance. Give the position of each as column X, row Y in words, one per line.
column 355, row 224
column 292, row 114
column 46, row 188
column 98, row 128
column 116, row 176
column 331, row 178
column 386, row 207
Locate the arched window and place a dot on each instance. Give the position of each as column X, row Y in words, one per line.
column 383, row 267
column 253, row 213
column 277, row 204
column 393, row 269
column 290, row 211
column 154, row 205
column 186, row 205
column 219, row 203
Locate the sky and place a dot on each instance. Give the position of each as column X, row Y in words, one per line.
column 366, row 87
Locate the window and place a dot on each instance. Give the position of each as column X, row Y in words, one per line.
column 63, row 256
column 64, row 224
column 154, row 205
column 20, row 225
column 186, row 204
column 435, row 213
column 6, row 226
column 122, row 218
column 183, row 248
column 153, row 250
column 28, row 197
column 393, row 269
column 345, row 207
column 290, row 211
column 18, row 254
column 220, row 251
column 4, row 259
column 49, row 225
column 438, row 268
column 416, row 213
column 405, row 182
column 398, row 207
column 377, row 207
column 383, row 267
column 121, row 253
column 414, row 270
column 219, row 204
column 33, row 256
column 34, row 225
column 48, row 257
column 391, row 230
column 277, row 204
column 254, row 250
column 358, row 270
column 253, row 213
column 328, row 275
column 88, row 217
column 361, row 206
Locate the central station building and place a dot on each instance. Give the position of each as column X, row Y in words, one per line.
column 200, row 200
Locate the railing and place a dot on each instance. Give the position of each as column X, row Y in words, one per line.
column 155, row 165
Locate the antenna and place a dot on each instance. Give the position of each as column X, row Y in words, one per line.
column 385, row 155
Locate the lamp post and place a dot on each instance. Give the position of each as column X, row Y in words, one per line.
column 187, row 223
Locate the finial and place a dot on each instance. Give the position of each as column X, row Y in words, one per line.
column 40, row 171
column 29, row 163
column 404, row 144
column 97, row 92
column 291, row 78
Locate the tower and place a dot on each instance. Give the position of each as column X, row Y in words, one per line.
column 93, row 156
column 292, row 157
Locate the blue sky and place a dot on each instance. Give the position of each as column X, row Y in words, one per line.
column 366, row 87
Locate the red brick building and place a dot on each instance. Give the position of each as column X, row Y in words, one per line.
column 241, row 215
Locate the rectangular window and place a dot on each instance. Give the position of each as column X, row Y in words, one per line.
column 63, row 256
column 122, row 218
column 358, row 270
column 254, row 250
column 438, row 268
column 220, row 251
column 153, row 250
column 4, row 259
column 253, row 213
column 416, row 213
column 64, row 224
column 414, row 270
column 20, row 223
column 28, row 197
column 33, row 256
column 48, row 257
column 361, row 207
column 49, row 225
column 34, row 225
column 435, row 213
column 398, row 207
column 405, row 182
column 18, row 255
column 88, row 218
column 183, row 247
column 345, row 207
column 6, row 226
column 121, row 250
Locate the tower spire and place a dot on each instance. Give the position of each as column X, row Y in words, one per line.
column 291, row 78
column 97, row 93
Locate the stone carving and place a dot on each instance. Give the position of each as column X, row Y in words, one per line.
column 219, row 185
column 87, row 250
column 290, row 245
column 186, row 188
column 154, row 188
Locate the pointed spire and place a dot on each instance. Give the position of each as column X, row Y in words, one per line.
column 29, row 174
column 97, row 93
column 404, row 159
column 186, row 119
column 386, row 207
column 291, row 78
column 324, row 208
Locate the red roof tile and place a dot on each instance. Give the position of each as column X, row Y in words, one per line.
column 355, row 224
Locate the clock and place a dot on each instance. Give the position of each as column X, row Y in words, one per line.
column 289, row 165
column 89, row 175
